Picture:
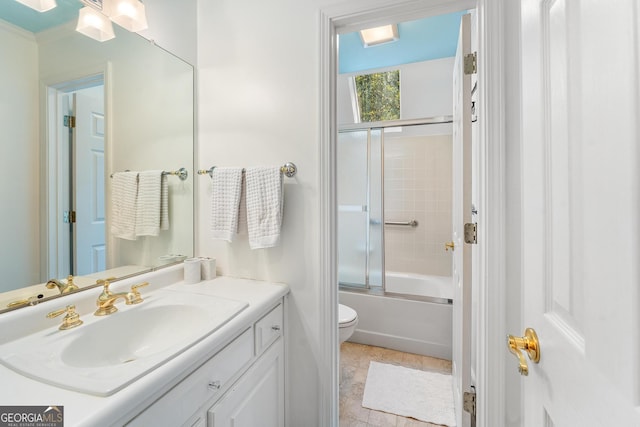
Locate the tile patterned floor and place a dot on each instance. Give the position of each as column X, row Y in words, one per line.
column 354, row 364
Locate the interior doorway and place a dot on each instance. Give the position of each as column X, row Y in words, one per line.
column 364, row 210
column 76, row 138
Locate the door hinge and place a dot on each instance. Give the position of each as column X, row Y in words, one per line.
column 471, row 63
column 469, row 404
column 471, row 233
column 69, row 217
column 70, row 121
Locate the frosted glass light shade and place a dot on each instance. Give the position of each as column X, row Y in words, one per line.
column 94, row 24
column 379, row 35
column 129, row 14
column 39, row 5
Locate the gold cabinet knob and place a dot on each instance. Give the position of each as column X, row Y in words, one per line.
column 449, row 245
column 529, row 343
column 71, row 320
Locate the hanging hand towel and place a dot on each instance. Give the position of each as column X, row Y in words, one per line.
column 124, row 195
column 164, row 203
column 225, row 202
column 242, row 211
column 265, row 201
column 148, row 206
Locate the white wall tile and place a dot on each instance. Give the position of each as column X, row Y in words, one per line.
column 418, row 186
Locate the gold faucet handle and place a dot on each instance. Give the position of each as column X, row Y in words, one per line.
column 71, row 320
column 70, row 285
column 134, row 295
column 32, row 300
column 105, row 281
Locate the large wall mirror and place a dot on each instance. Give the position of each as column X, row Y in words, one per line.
column 132, row 105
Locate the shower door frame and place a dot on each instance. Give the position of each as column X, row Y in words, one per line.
column 367, row 284
column 368, row 127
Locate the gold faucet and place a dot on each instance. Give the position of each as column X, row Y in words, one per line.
column 107, row 298
column 63, row 287
column 71, row 320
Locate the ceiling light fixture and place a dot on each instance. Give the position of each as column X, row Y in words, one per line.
column 94, row 24
column 95, row 18
column 129, row 14
column 39, row 5
column 379, row 35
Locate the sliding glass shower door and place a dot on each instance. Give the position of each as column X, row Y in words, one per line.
column 360, row 208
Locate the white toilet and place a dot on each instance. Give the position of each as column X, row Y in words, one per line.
column 348, row 319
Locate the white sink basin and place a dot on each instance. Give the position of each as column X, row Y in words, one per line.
column 108, row 353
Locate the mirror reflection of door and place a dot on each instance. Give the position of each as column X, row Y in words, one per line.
column 81, row 213
column 88, row 182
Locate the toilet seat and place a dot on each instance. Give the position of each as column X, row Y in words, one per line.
column 346, row 316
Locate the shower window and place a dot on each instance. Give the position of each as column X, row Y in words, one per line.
column 378, row 96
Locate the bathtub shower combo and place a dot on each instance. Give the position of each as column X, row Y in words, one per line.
column 394, row 216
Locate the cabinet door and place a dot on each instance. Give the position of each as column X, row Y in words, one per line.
column 257, row 399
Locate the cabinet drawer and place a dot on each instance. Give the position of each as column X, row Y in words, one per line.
column 204, row 383
column 268, row 329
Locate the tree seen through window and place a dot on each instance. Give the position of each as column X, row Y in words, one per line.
column 379, row 96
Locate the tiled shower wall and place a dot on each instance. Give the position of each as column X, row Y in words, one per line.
column 418, row 185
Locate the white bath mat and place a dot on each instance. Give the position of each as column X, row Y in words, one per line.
column 426, row 396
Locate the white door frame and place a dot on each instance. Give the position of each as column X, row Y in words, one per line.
column 50, row 87
column 489, row 280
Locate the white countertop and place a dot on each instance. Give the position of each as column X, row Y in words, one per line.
column 87, row 410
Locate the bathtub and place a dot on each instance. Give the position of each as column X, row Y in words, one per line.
column 414, row 315
column 436, row 288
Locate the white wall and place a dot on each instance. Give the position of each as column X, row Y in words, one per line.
column 258, row 104
column 172, row 25
column 19, row 162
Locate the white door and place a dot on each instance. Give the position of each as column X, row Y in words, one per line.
column 89, row 197
column 580, row 203
column 461, row 211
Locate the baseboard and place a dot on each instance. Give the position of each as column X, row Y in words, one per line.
column 404, row 344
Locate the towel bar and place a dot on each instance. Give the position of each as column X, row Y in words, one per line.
column 289, row 169
column 180, row 173
column 412, row 223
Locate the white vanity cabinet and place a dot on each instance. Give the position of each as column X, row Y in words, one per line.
column 241, row 385
column 257, row 399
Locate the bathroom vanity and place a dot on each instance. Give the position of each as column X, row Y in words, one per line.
column 231, row 376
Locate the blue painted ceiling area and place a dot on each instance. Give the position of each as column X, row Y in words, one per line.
column 34, row 21
column 421, row 40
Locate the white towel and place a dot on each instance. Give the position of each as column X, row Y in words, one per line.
column 148, row 206
column 164, row 203
column 124, row 194
column 242, row 215
column 225, row 202
column 265, row 202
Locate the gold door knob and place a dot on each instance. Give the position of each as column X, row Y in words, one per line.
column 529, row 343
column 449, row 245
